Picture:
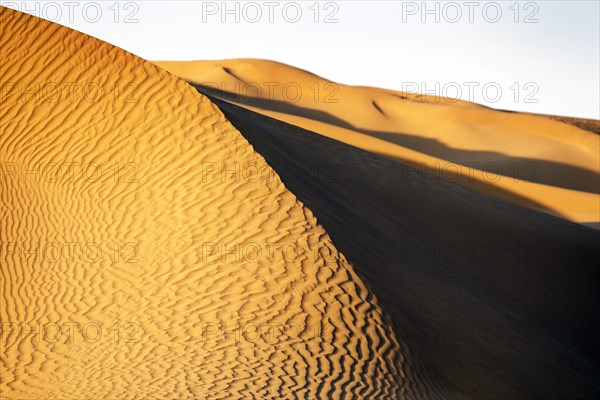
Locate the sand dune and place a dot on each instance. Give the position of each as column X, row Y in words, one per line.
column 124, row 274
column 159, row 243
column 533, row 160
column 494, row 300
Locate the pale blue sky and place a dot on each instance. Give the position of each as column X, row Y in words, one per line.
column 386, row 44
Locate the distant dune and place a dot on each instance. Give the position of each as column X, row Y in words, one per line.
column 529, row 159
column 145, row 269
column 592, row 125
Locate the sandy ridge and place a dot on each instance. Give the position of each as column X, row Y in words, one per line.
column 165, row 303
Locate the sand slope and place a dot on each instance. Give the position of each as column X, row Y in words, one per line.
column 495, row 300
column 532, row 160
column 125, row 276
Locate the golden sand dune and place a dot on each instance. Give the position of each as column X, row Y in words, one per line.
column 529, row 159
column 141, row 259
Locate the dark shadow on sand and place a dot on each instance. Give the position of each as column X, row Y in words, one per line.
column 489, row 299
column 519, row 168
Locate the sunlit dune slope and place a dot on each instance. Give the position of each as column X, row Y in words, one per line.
column 532, row 160
column 494, row 300
column 132, row 266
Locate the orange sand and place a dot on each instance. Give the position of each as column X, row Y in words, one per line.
column 130, row 264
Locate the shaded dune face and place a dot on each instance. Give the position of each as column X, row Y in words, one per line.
column 494, row 300
column 532, row 160
column 141, row 270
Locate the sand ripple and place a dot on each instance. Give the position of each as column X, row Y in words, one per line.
column 136, row 272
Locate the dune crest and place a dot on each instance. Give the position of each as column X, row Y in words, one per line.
column 532, row 160
column 166, row 259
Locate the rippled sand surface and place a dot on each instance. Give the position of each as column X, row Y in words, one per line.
column 148, row 252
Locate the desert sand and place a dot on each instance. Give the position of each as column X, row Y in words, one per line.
column 114, row 279
column 532, row 160
column 161, row 240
